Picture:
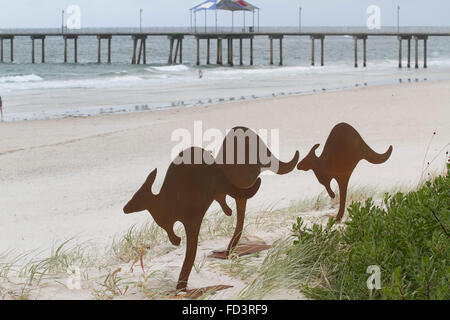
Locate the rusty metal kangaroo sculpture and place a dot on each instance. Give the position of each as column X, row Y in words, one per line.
column 242, row 158
column 188, row 190
column 343, row 150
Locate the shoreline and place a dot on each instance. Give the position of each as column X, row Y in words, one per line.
column 106, row 110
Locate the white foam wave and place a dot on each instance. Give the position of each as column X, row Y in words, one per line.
column 19, row 79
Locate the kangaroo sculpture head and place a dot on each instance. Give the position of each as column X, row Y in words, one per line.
column 143, row 199
column 310, row 161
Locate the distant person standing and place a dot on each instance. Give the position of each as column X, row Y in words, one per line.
column 1, row 109
column 200, row 74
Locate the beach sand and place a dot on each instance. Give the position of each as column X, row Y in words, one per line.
column 71, row 177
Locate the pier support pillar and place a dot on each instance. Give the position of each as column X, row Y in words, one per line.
column 363, row 37
column 198, row 51
column 99, row 53
column 75, row 48
column 171, row 51
column 409, row 52
column 142, row 49
column 2, row 50
column 322, row 53
column 425, row 52
column 32, row 50
column 365, row 52
column 208, row 51
column 251, row 51
column 271, row 51
column 241, row 52
column 400, row 55
column 178, row 55
column 230, row 52
column 43, row 50
column 416, row 47
column 109, row 50
column 279, row 37
column 219, row 52
column 281, row 51
column 313, row 51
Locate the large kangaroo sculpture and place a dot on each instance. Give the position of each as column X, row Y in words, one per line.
column 189, row 188
column 343, row 150
column 242, row 158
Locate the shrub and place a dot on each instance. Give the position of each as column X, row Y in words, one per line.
column 407, row 238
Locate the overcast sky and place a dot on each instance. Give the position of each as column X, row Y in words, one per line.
column 121, row 13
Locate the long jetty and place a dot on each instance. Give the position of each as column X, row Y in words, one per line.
column 175, row 54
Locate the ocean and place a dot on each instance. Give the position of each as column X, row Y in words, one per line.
column 159, row 85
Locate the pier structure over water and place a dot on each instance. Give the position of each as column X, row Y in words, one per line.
column 175, row 54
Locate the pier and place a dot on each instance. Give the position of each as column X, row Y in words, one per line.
column 175, row 45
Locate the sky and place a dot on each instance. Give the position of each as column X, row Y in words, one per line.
column 165, row 13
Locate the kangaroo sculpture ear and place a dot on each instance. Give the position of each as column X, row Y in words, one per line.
column 150, row 179
column 313, row 149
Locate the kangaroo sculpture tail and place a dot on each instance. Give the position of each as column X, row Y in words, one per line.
column 376, row 158
column 286, row 167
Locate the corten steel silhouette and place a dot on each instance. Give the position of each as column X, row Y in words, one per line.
column 242, row 158
column 342, row 152
column 186, row 194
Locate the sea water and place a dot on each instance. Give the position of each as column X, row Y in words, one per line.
column 159, row 85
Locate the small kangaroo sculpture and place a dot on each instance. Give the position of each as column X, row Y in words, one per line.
column 242, row 158
column 343, row 150
column 186, row 194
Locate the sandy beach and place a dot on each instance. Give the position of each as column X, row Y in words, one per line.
column 71, row 177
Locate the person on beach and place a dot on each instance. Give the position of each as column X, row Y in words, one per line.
column 200, row 74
